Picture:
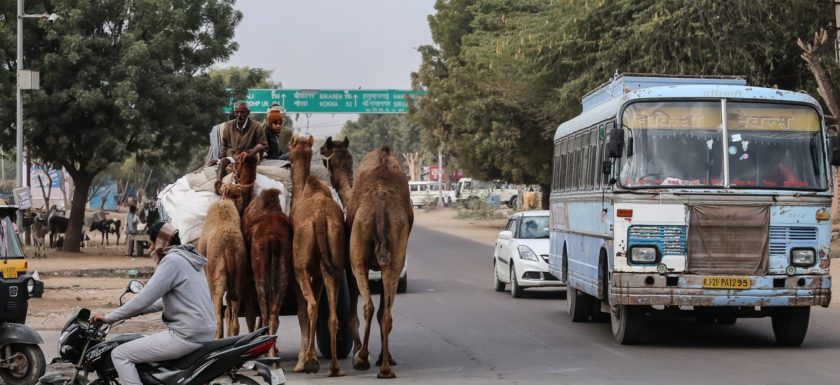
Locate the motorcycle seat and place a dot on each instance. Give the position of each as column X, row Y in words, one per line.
column 187, row 361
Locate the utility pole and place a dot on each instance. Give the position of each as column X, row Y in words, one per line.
column 440, row 176
column 837, row 29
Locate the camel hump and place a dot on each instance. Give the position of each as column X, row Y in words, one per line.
column 386, row 149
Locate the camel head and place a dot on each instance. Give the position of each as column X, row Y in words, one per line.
column 300, row 148
column 337, row 157
column 234, row 193
column 246, row 167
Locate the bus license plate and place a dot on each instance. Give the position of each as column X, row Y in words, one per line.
column 10, row 272
column 716, row 282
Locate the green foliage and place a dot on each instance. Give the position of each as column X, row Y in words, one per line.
column 239, row 79
column 372, row 131
column 503, row 75
column 119, row 78
column 478, row 209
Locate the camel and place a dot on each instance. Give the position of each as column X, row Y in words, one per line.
column 243, row 177
column 269, row 235
column 380, row 217
column 339, row 163
column 222, row 243
column 318, row 252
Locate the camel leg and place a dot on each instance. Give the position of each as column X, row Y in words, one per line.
column 233, row 317
column 353, row 290
column 389, row 292
column 379, row 313
column 331, row 284
column 361, row 360
column 216, row 292
column 311, row 363
column 303, row 321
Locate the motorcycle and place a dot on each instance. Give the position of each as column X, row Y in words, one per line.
column 21, row 359
column 83, row 346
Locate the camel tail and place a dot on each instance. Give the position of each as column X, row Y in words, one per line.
column 230, row 272
column 320, row 231
column 380, row 238
column 272, row 268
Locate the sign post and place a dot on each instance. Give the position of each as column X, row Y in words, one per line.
column 332, row 101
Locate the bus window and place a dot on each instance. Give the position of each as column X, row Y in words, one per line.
column 674, row 143
column 774, row 146
column 605, row 140
column 593, row 155
column 584, row 162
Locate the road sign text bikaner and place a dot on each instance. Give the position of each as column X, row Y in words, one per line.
column 333, row 101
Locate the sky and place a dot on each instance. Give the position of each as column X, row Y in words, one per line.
column 333, row 44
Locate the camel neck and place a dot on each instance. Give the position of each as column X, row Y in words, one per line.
column 300, row 172
column 343, row 185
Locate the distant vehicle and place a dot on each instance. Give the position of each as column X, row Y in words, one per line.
column 424, row 193
column 375, row 276
column 700, row 195
column 468, row 188
column 520, row 258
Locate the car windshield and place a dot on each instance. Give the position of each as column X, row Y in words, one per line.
column 770, row 146
column 533, row 227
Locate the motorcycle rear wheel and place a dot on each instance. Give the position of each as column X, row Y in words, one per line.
column 31, row 365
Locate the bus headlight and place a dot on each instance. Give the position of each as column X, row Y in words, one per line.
column 526, row 253
column 643, row 254
column 803, row 257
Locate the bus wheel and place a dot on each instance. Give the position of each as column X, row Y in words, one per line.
column 578, row 304
column 627, row 323
column 790, row 324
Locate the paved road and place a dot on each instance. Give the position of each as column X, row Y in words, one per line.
column 452, row 328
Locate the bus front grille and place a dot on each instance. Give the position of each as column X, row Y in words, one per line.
column 782, row 236
column 669, row 239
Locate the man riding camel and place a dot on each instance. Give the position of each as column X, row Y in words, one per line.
column 241, row 134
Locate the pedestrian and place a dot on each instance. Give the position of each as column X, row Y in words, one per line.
column 130, row 230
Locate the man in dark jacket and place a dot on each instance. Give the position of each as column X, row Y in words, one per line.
column 179, row 288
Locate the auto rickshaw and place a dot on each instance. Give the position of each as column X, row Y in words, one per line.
column 21, row 359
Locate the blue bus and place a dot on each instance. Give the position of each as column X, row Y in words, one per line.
column 693, row 196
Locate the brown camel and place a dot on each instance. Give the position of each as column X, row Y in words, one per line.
column 243, row 177
column 222, row 243
column 339, row 162
column 318, row 250
column 380, row 218
column 270, row 241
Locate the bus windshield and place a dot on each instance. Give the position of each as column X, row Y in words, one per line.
column 769, row 146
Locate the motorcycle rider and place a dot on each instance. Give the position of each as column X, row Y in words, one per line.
column 179, row 288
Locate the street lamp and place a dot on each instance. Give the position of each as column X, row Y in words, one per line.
column 19, row 122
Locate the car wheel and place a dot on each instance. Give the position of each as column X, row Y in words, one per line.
column 497, row 283
column 515, row 290
column 402, row 285
column 512, row 203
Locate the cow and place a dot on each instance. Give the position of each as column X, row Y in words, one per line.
column 106, row 227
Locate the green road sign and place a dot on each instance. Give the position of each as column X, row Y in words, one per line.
column 332, row 101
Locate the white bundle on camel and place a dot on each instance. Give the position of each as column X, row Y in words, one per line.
column 186, row 201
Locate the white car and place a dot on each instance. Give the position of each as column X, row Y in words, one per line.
column 375, row 276
column 520, row 257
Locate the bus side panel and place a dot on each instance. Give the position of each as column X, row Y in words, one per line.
column 585, row 240
column 557, row 237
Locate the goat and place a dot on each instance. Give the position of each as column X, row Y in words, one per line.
column 107, row 227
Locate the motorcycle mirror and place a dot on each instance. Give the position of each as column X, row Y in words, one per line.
column 83, row 315
column 134, row 286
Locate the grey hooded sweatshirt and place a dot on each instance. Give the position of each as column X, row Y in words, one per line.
column 179, row 288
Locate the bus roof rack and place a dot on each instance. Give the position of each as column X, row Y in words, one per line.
column 623, row 83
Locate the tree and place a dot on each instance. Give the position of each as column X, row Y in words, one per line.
column 374, row 130
column 239, row 79
column 122, row 78
column 503, row 75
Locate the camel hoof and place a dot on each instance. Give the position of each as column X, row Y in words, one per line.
column 390, row 361
column 298, row 367
column 336, row 373
column 386, row 374
column 311, row 366
column 360, row 364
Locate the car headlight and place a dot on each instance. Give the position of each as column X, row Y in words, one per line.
column 526, row 253
column 802, row 257
column 643, row 254
column 30, row 285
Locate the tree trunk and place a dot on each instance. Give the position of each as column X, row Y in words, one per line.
column 545, row 194
column 73, row 237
